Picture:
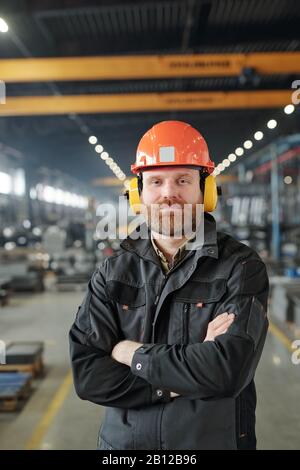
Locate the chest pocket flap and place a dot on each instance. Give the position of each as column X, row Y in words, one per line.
column 201, row 291
column 126, row 294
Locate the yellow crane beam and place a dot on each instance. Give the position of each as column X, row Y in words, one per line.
column 143, row 102
column 146, row 67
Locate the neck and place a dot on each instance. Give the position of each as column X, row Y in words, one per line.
column 168, row 245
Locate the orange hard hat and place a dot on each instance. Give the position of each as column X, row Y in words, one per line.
column 170, row 143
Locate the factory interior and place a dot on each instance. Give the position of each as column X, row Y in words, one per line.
column 80, row 84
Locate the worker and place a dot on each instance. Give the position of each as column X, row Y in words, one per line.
column 168, row 338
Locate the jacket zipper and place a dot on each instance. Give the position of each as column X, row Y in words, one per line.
column 185, row 324
column 166, row 276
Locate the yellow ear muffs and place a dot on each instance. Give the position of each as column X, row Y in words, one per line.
column 210, row 197
column 133, row 196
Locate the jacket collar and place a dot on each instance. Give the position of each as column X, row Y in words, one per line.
column 142, row 246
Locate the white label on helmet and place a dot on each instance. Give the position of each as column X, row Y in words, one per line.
column 167, row 154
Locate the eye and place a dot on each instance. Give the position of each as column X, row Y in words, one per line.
column 183, row 181
column 155, row 182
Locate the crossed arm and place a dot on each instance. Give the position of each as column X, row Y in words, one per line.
column 123, row 351
column 104, row 368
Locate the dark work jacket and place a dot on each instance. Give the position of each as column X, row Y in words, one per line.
column 129, row 297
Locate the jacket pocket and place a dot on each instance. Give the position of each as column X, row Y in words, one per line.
column 207, row 292
column 196, row 302
column 130, row 304
column 126, row 294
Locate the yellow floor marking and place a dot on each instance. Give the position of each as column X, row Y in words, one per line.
column 282, row 337
column 52, row 410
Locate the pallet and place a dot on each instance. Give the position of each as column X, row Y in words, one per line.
column 24, row 356
column 15, row 388
column 36, row 369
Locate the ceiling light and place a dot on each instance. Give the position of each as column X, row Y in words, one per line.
column 226, row 162
column 99, row 148
column 258, row 135
column 248, row 144
column 93, row 139
column 288, row 180
column 104, row 155
column 3, row 26
column 232, row 157
column 239, row 151
column 272, row 124
column 289, row 109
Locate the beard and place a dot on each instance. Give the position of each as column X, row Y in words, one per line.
column 173, row 219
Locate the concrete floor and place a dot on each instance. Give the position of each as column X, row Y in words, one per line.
column 63, row 421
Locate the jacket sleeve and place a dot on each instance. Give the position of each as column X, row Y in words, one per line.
column 97, row 376
column 223, row 367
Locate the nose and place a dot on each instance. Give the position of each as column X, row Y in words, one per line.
column 169, row 189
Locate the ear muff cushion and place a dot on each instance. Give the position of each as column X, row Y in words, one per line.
column 210, row 197
column 134, row 197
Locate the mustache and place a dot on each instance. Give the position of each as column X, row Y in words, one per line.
column 170, row 202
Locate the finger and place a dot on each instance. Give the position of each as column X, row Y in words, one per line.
column 223, row 328
column 224, row 324
column 224, row 317
column 220, row 320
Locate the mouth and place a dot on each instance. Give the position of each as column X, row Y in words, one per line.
column 171, row 208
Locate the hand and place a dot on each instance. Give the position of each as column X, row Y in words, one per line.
column 219, row 325
column 216, row 327
column 124, row 350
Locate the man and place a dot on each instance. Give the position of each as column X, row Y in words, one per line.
column 168, row 338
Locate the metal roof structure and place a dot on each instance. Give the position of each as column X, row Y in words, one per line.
column 72, row 28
